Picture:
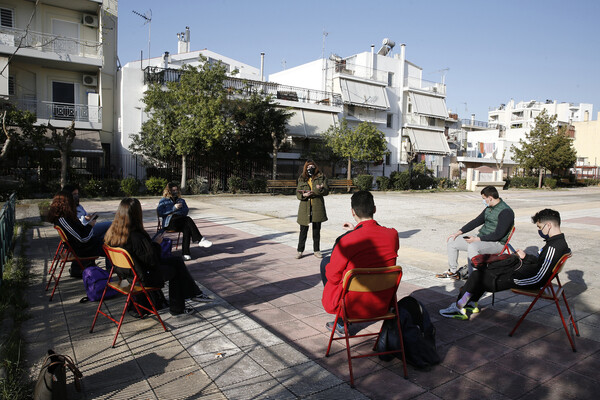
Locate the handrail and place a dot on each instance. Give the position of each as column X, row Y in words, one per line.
column 7, row 226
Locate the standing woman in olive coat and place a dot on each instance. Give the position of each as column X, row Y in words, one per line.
column 312, row 186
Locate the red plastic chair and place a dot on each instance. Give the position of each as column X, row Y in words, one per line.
column 121, row 258
column 159, row 226
column 551, row 292
column 369, row 294
column 508, row 249
column 64, row 254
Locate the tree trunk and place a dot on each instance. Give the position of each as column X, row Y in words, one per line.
column 183, row 172
column 540, row 177
column 349, row 174
column 64, row 162
column 274, row 162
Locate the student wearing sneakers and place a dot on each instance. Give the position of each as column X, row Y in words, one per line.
column 174, row 212
column 366, row 245
column 532, row 272
column 497, row 219
column 127, row 231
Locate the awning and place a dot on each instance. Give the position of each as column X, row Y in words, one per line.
column 85, row 142
column 309, row 123
column 429, row 105
column 428, row 142
column 364, row 94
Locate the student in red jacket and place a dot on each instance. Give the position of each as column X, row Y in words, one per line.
column 366, row 245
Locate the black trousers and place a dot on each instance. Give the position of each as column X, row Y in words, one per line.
column 316, row 233
column 181, row 284
column 481, row 281
column 186, row 225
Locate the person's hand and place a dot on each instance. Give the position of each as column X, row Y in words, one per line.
column 319, row 186
column 472, row 239
column 348, row 226
column 178, row 206
column 92, row 223
column 453, row 236
column 88, row 217
column 521, row 253
column 307, row 193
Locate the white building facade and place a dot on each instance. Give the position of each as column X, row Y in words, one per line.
column 389, row 92
column 507, row 125
column 133, row 80
column 59, row 60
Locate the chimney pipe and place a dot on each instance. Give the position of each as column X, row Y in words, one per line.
column 166, row 60
column 262, row 66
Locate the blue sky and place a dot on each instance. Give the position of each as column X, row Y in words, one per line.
column 495, row 50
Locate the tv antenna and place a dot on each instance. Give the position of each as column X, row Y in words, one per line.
column 147, row 17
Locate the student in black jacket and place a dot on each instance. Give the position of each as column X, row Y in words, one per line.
column 529, row 272
column 80, row 237
column 127, row 231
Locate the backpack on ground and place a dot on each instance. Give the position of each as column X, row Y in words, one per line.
column 94, row 280
column 418, row 334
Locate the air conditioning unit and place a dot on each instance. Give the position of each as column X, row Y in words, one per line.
column 90, row 20
column 90, row 80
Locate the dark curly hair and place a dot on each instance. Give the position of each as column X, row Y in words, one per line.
column 62, row 205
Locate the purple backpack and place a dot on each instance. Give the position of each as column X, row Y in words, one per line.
column 94, row 280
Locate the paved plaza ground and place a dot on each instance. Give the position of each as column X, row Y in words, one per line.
column 264, row 336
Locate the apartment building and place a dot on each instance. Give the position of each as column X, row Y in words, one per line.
column 387, row 90
column 490, row 143
column 587, row 144
column 313, row 108
column 59, row 60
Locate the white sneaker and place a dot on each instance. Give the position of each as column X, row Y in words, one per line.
column 187, row 257
column 454, row 312
column 205, row 243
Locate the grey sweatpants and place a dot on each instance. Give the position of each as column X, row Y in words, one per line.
column 473, row 249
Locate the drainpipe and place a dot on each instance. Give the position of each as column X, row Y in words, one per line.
column 372, row 61
column 401, row 101
column 262, row 67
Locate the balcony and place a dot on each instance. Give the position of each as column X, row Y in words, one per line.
column 61, row 114
column 46, row 45
column 245, row 87
column 359, row 71
column 428, row 86
column 474, row 123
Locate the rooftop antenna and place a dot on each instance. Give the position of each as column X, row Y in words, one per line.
column 147, row 20
column 324, row 61
column 283, row 63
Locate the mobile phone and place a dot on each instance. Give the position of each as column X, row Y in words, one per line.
column 466, row 237
column 95, row 217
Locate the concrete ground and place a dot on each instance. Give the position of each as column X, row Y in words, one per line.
column 264, row 335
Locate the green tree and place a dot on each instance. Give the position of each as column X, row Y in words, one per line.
column 259, row 129
column 545, row 148
column 188, row 117
column 362, row 144
column 62, row 141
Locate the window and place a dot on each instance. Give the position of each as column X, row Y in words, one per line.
column 430, row 121
column 409, row 108
column 390, row 78
column 6, row 17
column 388, row 159
column 389, row 123
column 11, row 85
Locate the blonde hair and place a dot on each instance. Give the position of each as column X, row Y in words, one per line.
column 167, row 189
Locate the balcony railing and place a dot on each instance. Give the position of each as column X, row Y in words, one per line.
column 245, row 87
column 60, row 111
column 421, row 84
column 468, row 122
column 48, row 43
column 359, row 71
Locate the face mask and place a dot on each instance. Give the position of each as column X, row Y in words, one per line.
column 174, row 193
column 542, row 235
column 310, row 171
column 484, row 202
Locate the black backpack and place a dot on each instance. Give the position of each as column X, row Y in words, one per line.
column 418, row 334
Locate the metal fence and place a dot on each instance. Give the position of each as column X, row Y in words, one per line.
column 7, row 226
